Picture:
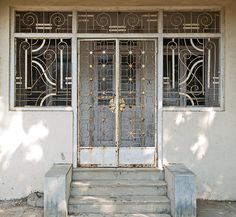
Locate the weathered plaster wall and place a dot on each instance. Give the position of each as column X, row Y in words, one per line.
column 30, row 142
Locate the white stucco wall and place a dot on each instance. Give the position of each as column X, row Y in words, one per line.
column 30, row 142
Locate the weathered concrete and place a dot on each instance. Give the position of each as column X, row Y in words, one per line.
column 181, row 190
column 35, row 199
column 57, row 190
column 204, row 209
column 119, row 192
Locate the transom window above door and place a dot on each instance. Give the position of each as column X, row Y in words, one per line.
column 190, row 55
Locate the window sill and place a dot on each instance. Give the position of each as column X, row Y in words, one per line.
column 193, row 109
column 43, row 109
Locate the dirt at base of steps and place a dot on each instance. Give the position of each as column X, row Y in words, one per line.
column 206, row 208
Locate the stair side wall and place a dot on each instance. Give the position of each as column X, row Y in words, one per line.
column 181, row 190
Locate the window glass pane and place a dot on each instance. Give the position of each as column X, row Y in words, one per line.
column 43, row 72
column 117, row 22
column 191, row 22
column 43, row 22
column 191, row 72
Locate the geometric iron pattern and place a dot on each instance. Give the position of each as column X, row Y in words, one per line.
column 117, row 22
column 191, row 72
column 137, row 92
column 98, row 83
column 43, row 22
column 43, row 72
column 191, row 22
column 97, row 90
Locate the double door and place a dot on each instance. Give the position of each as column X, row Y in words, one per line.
column 117, row 100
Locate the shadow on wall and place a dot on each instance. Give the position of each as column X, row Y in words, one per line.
column 199, row 144
column 13, row 137
column 18, row 147
column 191, row 139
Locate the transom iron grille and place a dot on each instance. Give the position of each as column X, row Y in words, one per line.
column 117, row 22
column 43, row 72
column 191, row 22
column 43, row 22
column 191, row 72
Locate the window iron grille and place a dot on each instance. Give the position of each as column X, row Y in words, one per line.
column 117, row 22
column 191, row 22
column 43, row 72
column 43, row 22
column 191, row 72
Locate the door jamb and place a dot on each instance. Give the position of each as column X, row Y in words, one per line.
column 158, row 99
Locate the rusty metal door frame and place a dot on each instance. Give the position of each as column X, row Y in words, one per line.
column 117, row 91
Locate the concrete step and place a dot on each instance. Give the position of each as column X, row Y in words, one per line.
column 118, row 188
column 139, row 182
column 122, row 206
column 117, row 173
column 113, row 199
column 121, row 215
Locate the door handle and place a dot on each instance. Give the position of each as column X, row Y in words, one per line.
column 112, row 105
column 121, row 104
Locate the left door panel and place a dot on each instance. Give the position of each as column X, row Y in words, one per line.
column 96, row 93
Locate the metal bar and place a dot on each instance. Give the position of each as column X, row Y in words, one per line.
column 75, row 88
column 112, row 36
column 12, row 61
column 61, row 67
column 222, row 61
column 26, row 65
column 191, row 35
column 117, row 95
column 44, row 36
column 159, row 90
column 208, row 67
column 119, row 8
column 118, row 35
column 173, row 68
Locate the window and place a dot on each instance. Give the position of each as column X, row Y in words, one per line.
column 43, row 67
column 191, row 72
column 191, row 64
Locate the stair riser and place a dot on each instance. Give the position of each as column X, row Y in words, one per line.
column 120, row 208
column 117, row 175
column 120, row 215
column 119, row 191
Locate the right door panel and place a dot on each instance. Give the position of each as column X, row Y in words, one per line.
column 137, row 102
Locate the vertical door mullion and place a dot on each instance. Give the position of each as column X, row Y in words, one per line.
column 117, row 96
column 159, row 120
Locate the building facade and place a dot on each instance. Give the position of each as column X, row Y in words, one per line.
column 117, row 84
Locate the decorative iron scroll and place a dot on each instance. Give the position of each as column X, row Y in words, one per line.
column 191, row 22
column 117, row 22
column 43, row 22
column 43, row 72
column 191, row 72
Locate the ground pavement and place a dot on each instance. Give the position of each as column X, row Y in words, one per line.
column 19, row 208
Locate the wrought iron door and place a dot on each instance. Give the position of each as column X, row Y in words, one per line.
column 117, row 98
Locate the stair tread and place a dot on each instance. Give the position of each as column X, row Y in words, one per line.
column 145, row 169
column 122, row 215
column 79, row 183
column 117, row 199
